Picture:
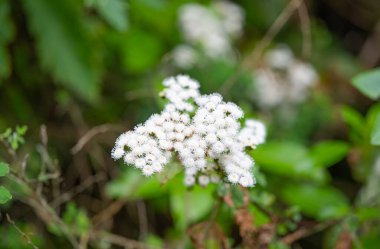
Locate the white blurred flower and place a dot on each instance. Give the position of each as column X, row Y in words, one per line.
column 232, row 17
column 270, row 91
column 283, row 79
column 184, row 56
column 213, row 28
column 211, row 134
column 280, row 58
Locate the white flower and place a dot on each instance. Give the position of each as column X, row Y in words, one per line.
column 246, row 181
column 233, row 177
column 189, row 180
column 283, row 79
column 203, row 180
column 117, row 153
column 184, row 85
column 212, row 135
column 212, row 28
column 148, row 170
column 280, row 57
column 302, row 74
column 232, row 17
column 253, row 134
column 184, row 56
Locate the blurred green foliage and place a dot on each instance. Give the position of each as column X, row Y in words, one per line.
column 74, row 65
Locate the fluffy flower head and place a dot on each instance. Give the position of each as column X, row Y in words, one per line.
column 203, row 131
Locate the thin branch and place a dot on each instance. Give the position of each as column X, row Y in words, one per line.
column 23, row 234
column 213, row 217
column 78, row 189
column 369, row 53
column 305, row 232
column 305, row 29
column 251, row 60
column 120, row 240
column 92, row 133
column 44, row 210
column 281, row 20
column 108, row 212
column 143, row 221
column 139, row 93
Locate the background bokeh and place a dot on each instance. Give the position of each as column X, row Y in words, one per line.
column 74, row 74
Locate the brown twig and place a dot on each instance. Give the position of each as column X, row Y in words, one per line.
column 92, row 133
column 143, row 221
column 120, row 240
column 305, row 29
column 251, row 60
column 369, row 53
column 213, row 217
column 78, row 189
column 139, row 93
column 44, row 210
column 281, row 20
column 108, row 212
column 305, row 232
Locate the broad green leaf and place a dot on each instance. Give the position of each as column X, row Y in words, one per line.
column 260, row 217
column 63, row 45
column 4, row 169
column 321, row 202
column 327, row 153
column 375, row 135
column 368, row 83
column 140, row 50
column 189, row 206
column 288, row 159
column 356, row 123
column 5, row 196
column 114, row 12
column 131, row 184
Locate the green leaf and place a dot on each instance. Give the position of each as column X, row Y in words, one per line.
column 21, row 130
column 114, row 12
column 189, row 206
column 288, row 159
column 368, row 83
column 375, row 135
column 63, row 45
column 237, row 196
column 4, row 169
column 327, row 153
column 133, row 185
column 77, row 219
column 140, row 50
column 260, row 217
column 356, row 122
column 320, row 202
column 5, row 196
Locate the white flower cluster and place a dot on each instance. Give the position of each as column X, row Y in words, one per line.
column 283, row 78
column 212, row 28
column 203, row 132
